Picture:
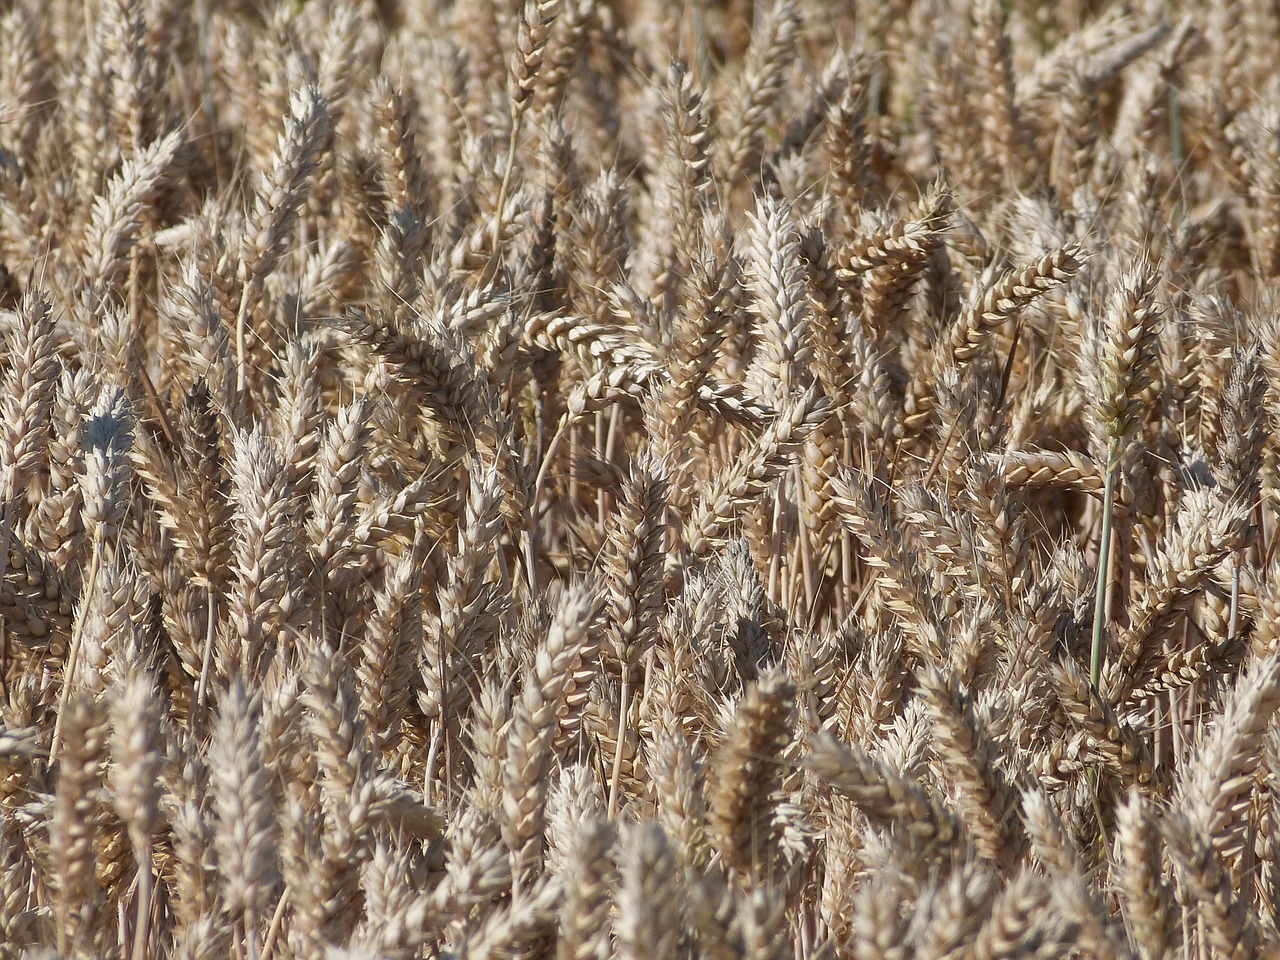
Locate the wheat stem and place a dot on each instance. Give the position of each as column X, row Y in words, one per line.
column 624, row 699
column 73, row 653
column 146, row 886
column 1104, row 562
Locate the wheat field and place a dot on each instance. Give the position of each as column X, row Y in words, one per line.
column 639, row 479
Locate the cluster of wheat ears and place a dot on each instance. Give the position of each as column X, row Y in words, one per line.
column 646, row 479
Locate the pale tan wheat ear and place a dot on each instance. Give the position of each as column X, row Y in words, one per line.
column 648, row 897
column 886, row 798
column 985, row 797
column 246, row 822
column 276, row 208
column 757, row 90
column 1148, row 905
column 533, row 728
column 747, row 773
column 79, row 900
